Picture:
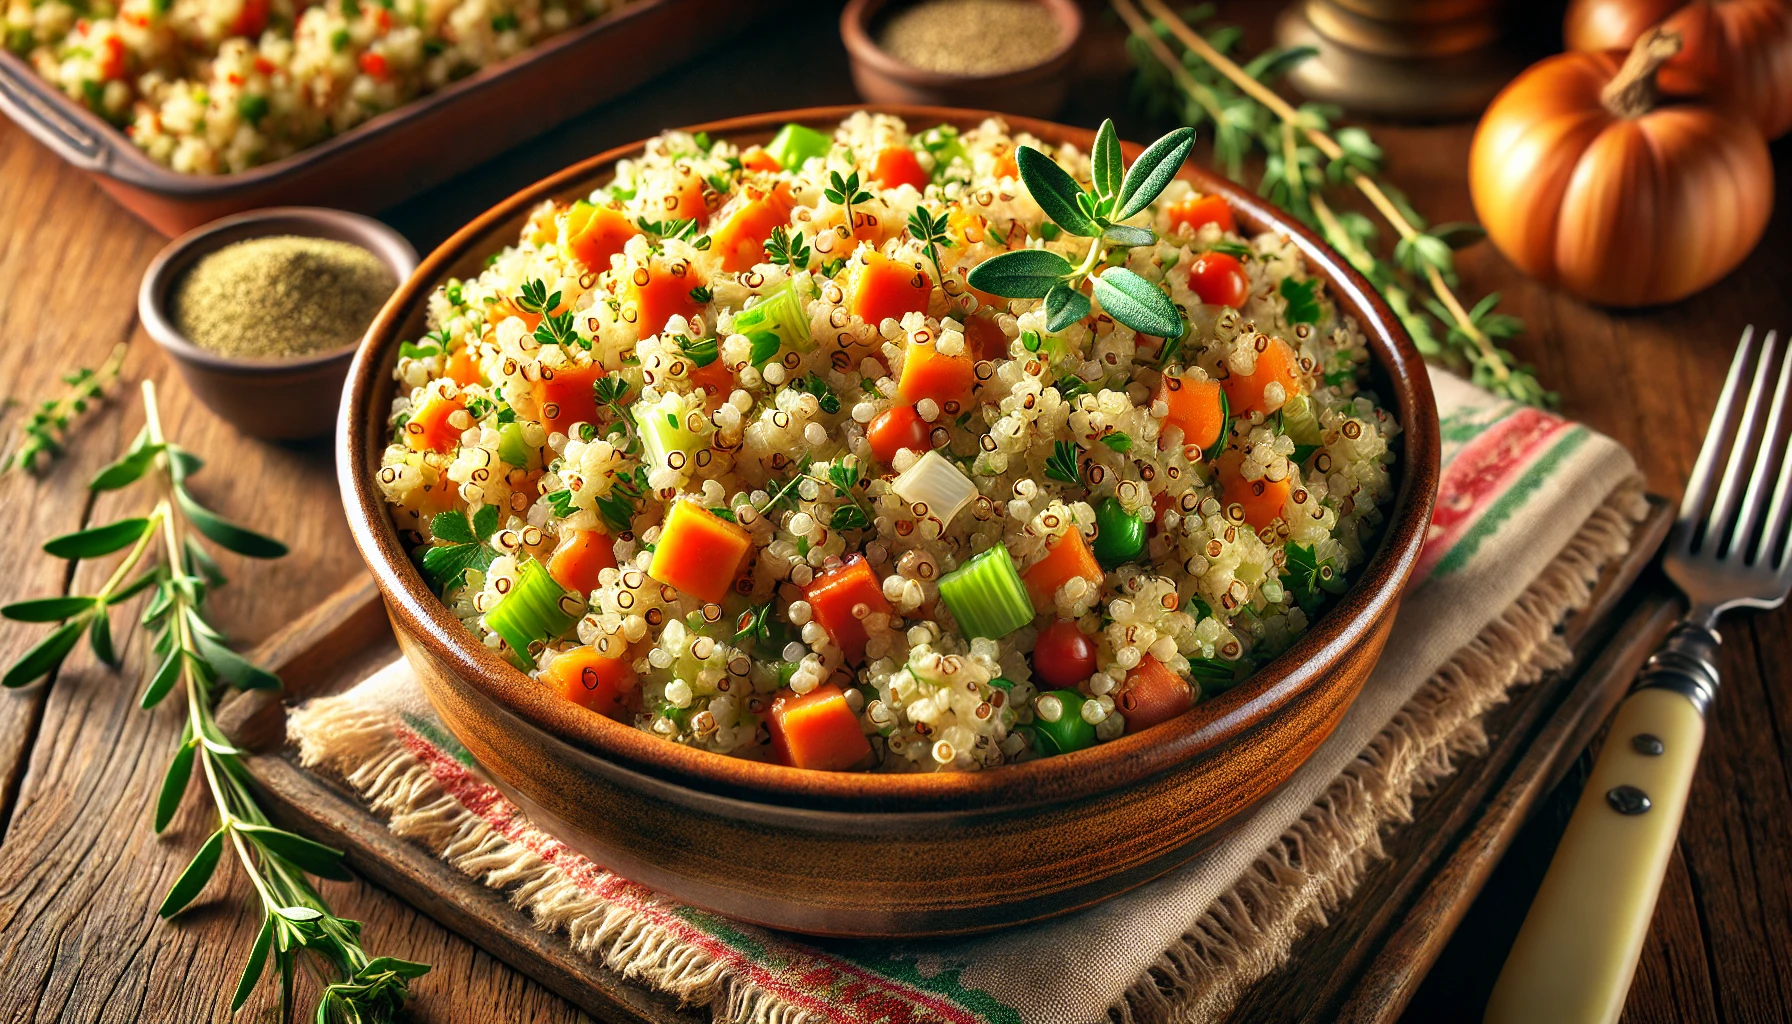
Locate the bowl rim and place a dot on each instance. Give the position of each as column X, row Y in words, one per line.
column 855, row 32
column 175, row 258
column 1197, row 733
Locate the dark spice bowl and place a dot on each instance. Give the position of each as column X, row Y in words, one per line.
column 847, row 853
column 273, row 399
column 1036, row 91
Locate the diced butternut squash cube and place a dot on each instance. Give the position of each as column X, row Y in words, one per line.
column 565, row 395
column 1262, row 500
column 1276, row 364
column 835, row 598
column 816, row 730
column 429, row 428
column 755, row 158
column 740, row 241
column 579, row 558
column 928, row 373
column 886, row 289
column 593, row 234
column 462, row 368
column 1152, row 694
column 1068, row 557
column 1195, row 406
column 895, row 166
column 606, row 685
column 699, row 552
column 660, row 291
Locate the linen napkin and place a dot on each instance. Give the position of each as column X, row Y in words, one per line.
column 1530, row 508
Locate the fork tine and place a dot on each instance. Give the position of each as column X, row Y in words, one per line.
column 1704, row 470
column 1754, row 501
column 1729, row 490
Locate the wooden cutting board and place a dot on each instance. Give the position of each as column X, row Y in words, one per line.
column 1363, row 967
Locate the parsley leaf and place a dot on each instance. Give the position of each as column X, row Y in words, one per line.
column 1118, row 441
column 814, row 385
column 446, row 564
column 1303, row 306
column 849, row 517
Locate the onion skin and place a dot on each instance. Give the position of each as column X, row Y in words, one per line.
column 1738, row 51
column 1631, row 208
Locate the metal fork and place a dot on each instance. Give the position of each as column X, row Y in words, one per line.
column 1575, row 956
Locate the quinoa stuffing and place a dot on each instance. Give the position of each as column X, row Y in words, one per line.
column 841, row 453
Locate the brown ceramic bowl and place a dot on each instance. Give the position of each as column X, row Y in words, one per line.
column 886, row 855
column 273, row 399
column 1037, row 91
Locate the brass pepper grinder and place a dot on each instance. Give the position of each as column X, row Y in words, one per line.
column 1417, row 59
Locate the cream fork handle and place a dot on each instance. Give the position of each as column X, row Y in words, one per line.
column 1576, row 953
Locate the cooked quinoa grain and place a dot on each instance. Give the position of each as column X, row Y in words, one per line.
column 798, row 499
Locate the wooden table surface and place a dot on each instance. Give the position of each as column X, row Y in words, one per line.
column 81, row 874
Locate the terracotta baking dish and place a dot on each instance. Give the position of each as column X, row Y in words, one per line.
column 399, row 153
column 885, row 855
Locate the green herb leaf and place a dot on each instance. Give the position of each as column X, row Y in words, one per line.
column 174, row 784
column 43, row 658
column 849, row 517
column 1056, row 192
column 1105, row 162
column 1021, row 274
column 162, row 681
column 99, row 637
column 1219, row 443
column 1064, row 306
column 1303, row 452
column 1126, row 236
column 232, row 667
column 1061, row 465
column 314, row 857
column 127, row 470
column 1118, row 441
column 225, row 533
column 192, row 880
column 1153, row 171
column 252, row 970
column 1458, row 234
column 1137, row 303
column 452, row 526
column 1303, row 304
column 100, row 540
column 765, row 346
column 47, row 609
column 299, row 915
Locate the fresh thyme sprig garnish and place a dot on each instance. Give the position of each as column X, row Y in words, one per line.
column 554, row 329
column 194, row 655
column 46, row 430
column 1304, row 157
column 845, row 192
column 1118, row 194
column 931, row 232
column 786, row 249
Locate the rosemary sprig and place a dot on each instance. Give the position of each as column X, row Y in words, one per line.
column 1303, row 157
column 194, row 655
column 46, row 430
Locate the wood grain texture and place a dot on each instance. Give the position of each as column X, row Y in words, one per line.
column 78, row 940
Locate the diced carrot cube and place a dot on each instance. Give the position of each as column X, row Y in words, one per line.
column 462, row 368
column 1152, row 694
column 816, row 730
column 1275, row 364
column 1191, row 214
column 687, row 201
column 927, row 373
column 579, row 558
column 1262, row 500
column 504, row 309
column 1067, row 558
column 604, row 684
column 896, row 166
column 887, row 289
column 1195, row 406
column 428, row 429
column 1006, row 166
column 716, row 380
column 659, row 293
column 565, row 395
column 755, row 158
column 699, row 552
column 740, row 241
column 593, row 234
column 985, row 338
column 835, row 596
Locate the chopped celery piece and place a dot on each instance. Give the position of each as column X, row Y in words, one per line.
column 986, row 595
column 934, row 480
column 536, row 608
column 514, row 450
column 663, row 431
column 795, row 144
column 779, row 312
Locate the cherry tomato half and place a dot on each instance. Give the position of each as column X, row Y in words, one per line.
column 1063, row 656
column 1219, row 280
column 896, row 428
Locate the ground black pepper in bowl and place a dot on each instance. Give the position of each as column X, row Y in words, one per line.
column 283, row 296
column 971, row 37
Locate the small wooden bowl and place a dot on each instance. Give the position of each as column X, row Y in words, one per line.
column 1037, row 91
column 273, row 399
column 886, row 855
